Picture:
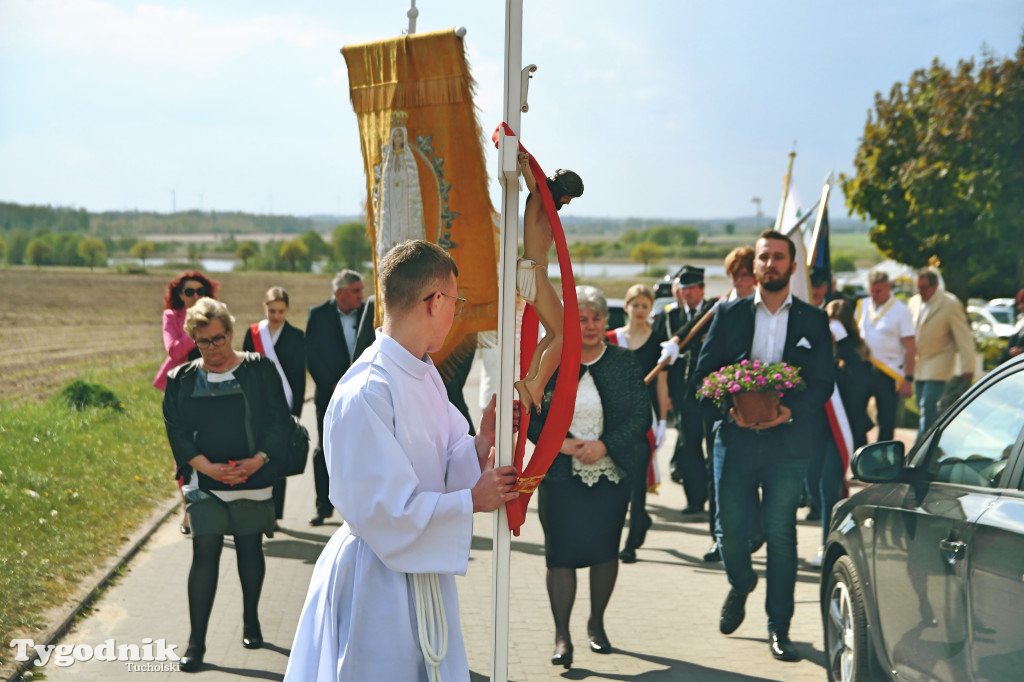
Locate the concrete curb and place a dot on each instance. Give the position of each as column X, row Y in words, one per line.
column 61, row 618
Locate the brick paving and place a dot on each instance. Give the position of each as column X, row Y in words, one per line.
column 662, row 620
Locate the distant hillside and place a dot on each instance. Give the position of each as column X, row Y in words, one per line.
column 36, row 219
column 121, row 224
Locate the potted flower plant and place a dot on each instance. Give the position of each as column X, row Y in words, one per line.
column 752, row 387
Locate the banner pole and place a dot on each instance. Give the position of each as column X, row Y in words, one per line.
column 508, row 152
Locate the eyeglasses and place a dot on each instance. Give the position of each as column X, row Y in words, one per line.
column 189, row 291
column 460, row 303
column 215, row 342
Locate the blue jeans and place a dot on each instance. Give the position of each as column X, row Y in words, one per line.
column 751, row 461
column 927, row 394
column 826, row 474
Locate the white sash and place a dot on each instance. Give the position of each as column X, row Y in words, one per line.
column 268, row 351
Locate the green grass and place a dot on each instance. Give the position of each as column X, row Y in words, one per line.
column 73, row 486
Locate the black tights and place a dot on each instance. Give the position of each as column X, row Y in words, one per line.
column 202, row 581
column 562, row 594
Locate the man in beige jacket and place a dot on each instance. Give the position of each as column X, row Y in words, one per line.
column 941, row 333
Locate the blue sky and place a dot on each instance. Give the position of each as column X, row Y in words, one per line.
column 667, row 109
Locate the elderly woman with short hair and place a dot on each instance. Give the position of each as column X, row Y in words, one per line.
column 228, row 426
column 583, row 497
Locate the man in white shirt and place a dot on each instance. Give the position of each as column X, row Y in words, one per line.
column 407, row 477
column 888, row 330
column 769, row 327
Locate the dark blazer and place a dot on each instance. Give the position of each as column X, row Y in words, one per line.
column 729, row 340
column 682, row 373
column 326, row 350
column 270, row 424
column 625, row 409
column 290, row 349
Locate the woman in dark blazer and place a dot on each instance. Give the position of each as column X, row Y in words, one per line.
column 582, row 499
column 286, row 346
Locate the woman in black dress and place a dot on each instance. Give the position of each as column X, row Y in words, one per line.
column 638, row 336
column 276, row 338
column 582, row 499
column 228, row 426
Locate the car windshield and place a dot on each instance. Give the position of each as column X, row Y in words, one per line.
column 1002, row 315
column 973, row 448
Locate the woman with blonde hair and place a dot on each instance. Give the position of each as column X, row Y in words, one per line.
column 285, row 345
column 638, row 336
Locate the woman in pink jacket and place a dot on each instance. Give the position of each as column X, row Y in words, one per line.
column 182, row 292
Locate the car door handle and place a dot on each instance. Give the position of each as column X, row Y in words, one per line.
column 954, row 550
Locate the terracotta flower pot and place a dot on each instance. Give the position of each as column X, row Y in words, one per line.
column 756, row 407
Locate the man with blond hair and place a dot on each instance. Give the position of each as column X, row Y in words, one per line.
column 407, row 477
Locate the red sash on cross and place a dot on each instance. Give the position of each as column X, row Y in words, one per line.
column 563, row 402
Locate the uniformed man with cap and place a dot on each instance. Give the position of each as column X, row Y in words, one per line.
column 675, row 321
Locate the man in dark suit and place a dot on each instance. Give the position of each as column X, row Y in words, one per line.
column 688, row 461
column 337, row 332
column 770, row 326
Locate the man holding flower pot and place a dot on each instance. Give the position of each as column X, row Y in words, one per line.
column 773, row 455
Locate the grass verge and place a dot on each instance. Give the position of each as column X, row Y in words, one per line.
column 73, row 484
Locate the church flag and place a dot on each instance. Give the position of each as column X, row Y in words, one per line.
column 426, row 175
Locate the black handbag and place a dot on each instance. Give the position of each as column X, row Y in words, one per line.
column 298, row 449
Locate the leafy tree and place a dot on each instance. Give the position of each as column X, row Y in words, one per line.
column 316, row 245
column 142, row 250
column 582, row 252
column 294, row 251
column 3, row 249
column 17, row 243
column 940, row 170
column 351, row 245
column 646, row 253
column 730, row 228
column 92, row 251
column 244, row 252
column 843, row 264
column 39, row 252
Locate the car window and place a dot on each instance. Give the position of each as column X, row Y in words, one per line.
column 974, row 447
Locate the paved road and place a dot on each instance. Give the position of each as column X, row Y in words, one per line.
column 662, row 620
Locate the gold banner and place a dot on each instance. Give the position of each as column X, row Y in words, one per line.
column 424, row 161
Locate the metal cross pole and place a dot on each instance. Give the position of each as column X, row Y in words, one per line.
column 508, row 152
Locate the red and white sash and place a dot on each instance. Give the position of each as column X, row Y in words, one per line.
column 265, row 346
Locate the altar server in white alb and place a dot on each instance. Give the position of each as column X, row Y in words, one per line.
column 406, row 476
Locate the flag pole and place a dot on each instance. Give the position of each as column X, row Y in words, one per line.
column 785, row 189
column 508, row 153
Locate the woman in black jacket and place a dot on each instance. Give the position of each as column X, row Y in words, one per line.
column 285, row 345
column 228, row 427
column 582, row 499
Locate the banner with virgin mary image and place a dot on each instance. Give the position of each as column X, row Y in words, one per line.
column 425, row 168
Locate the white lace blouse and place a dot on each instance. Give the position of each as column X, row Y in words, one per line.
column 588, row 424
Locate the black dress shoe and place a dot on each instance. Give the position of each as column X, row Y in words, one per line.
column 628, row 556
column 252, row 637
column 317, row 520
column 193, row 659
column 600, row 644
column 693, row 509
column 734, row 610
column 713, row 554
column 782, row 647
column 185, row 530
column 814, row 514
column 562, row 656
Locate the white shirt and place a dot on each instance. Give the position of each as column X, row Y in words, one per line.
column 349, row 323
column 883, row 329
column 401, row 465
column 769, row 329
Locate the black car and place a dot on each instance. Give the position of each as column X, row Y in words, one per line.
column 923, row 572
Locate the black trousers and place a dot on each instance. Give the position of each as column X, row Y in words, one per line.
column 321, row 480
column 689, row 460
column 883, row 387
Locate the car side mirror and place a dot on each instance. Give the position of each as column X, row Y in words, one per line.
column 878, row 462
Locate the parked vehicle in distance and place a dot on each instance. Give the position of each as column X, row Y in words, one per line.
column 922, row 570
column 616, row 313
column 985, row 324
